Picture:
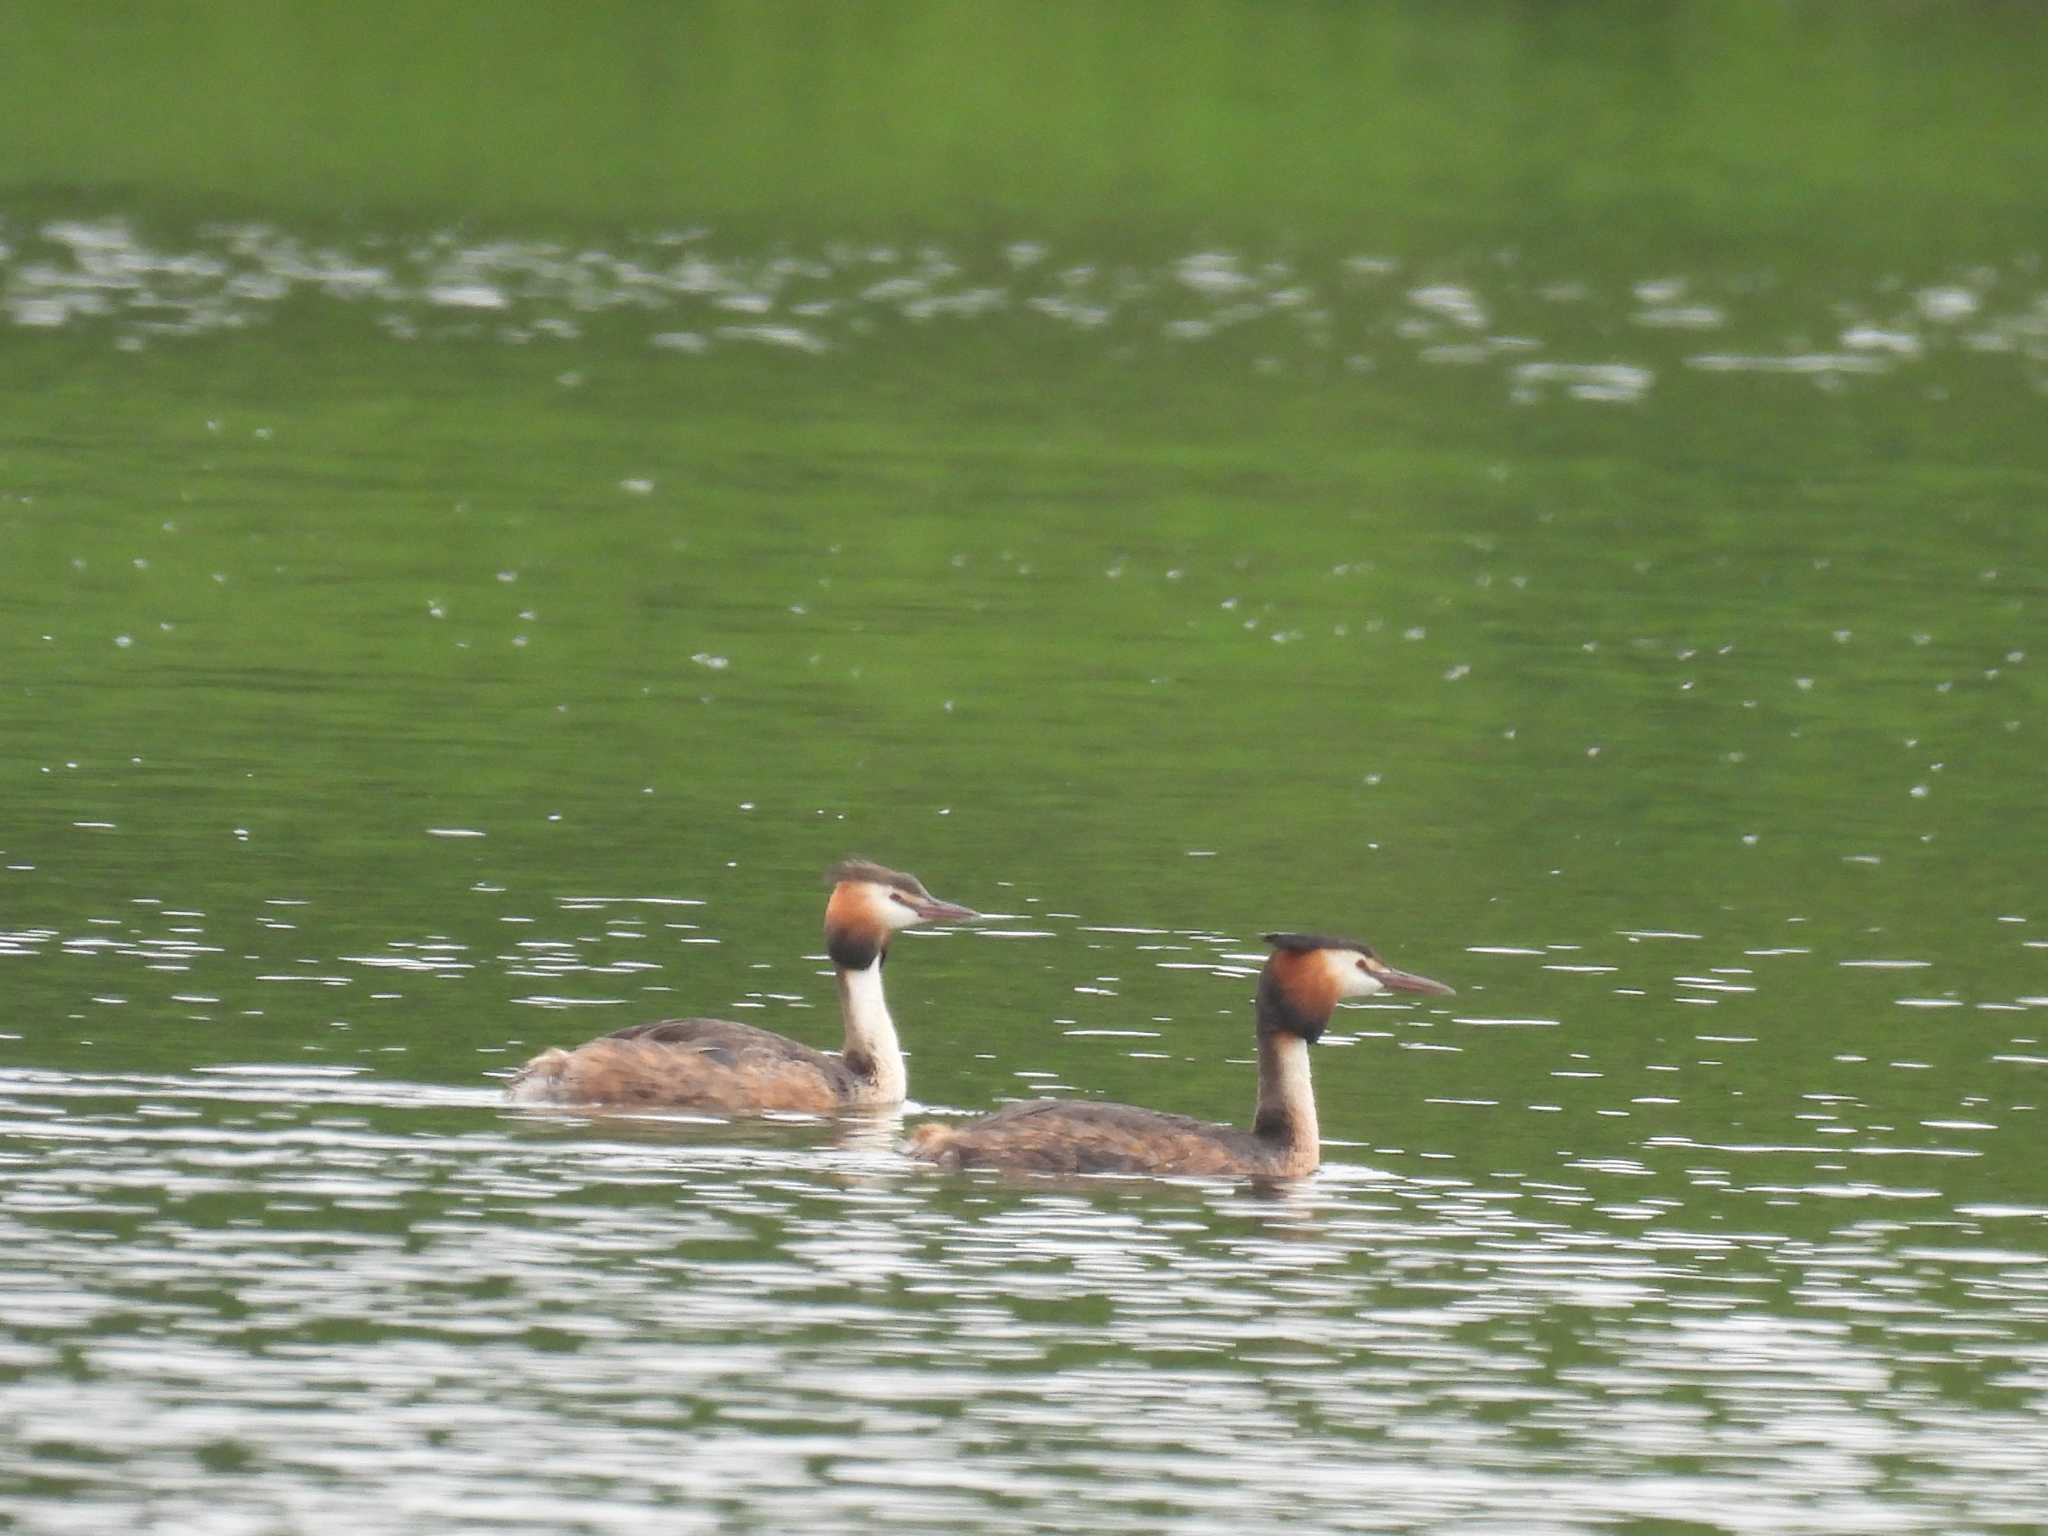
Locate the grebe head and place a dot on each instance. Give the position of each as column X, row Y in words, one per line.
column 870, row 903
column 1308, row 973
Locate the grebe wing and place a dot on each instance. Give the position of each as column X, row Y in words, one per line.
column 719, row 1037
column 712, row 1065
column 1062, row 1136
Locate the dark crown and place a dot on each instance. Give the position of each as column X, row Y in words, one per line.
column 1303, row 943
column 876, row 874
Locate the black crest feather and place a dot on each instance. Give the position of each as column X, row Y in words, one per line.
column 876, row 874
column 1303, row 943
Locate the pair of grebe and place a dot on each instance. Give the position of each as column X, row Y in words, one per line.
column 734, row 1069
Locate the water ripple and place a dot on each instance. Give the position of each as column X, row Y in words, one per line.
column 682, row 293
column 552, row 1324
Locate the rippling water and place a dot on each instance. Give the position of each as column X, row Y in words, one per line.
column 254, row 1293
column 255, row 1289
column 683, row 292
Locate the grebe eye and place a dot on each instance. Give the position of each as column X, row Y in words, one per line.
column 1363, row 966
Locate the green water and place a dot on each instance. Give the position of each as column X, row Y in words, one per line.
column 487, row 515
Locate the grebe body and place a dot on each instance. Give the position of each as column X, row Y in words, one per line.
column 1299, row 988
column 723, row 1068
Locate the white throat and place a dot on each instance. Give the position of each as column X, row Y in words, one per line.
column 871, row 1036
column 1286, row 1094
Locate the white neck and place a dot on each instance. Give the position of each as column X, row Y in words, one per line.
column 871, row 1036
column 1287, row 1099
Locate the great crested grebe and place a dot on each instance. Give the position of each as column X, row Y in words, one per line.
column 736, row 1069
column 1298, row 990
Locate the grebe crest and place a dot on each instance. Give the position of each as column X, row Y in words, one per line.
column 1308, row 974
column 870, row 904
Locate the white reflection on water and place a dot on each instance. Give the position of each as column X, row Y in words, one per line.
column 320, row 1281
column 681, row 294
column 1754, row 1303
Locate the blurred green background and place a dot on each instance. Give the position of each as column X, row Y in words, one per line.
column 1874, row 134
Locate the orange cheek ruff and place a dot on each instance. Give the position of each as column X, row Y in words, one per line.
column 852, row 910
column 856, row 931
column 844, row 907
column 1308, row 980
